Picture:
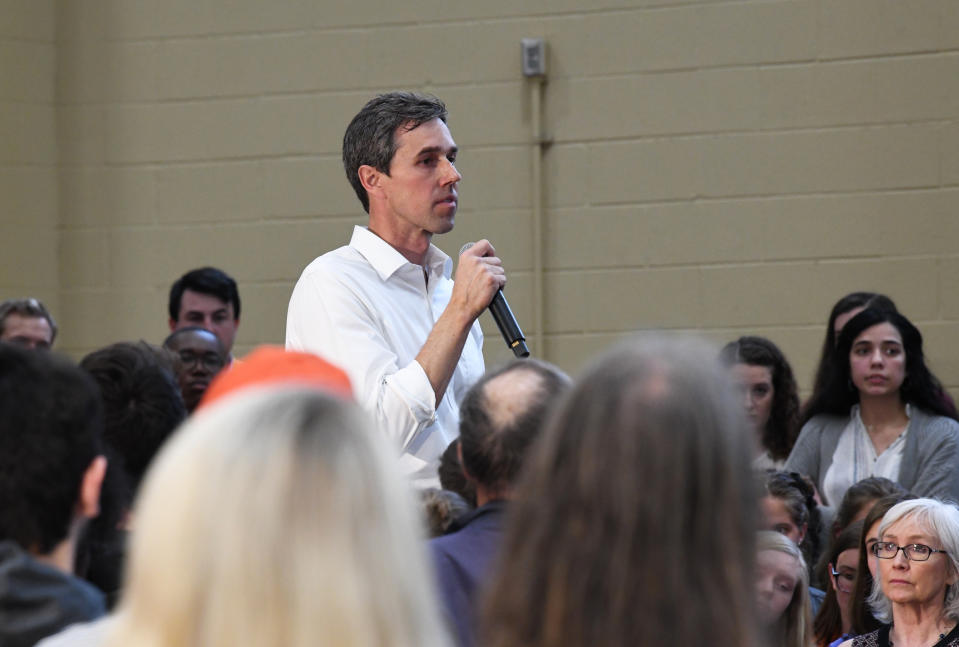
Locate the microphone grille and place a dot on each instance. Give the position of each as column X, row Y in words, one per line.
column 465, row 247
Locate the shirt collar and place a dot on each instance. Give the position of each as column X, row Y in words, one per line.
column 386, row 260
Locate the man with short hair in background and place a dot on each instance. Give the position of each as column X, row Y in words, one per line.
column 500, row 417
column 206, row 297
column 199, row 358
column 27, row 323
column 52, row 469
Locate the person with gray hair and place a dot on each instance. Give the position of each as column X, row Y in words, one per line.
column 916, row 588
column 27, row 323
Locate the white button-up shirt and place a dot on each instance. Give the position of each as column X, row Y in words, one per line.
column 367, row 309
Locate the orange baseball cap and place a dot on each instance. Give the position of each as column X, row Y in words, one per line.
column 269, row 365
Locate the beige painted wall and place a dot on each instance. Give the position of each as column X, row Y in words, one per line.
column 725, row 167
column 29, row 259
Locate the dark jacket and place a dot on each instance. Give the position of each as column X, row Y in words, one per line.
column 37, row 600
column 463, row 561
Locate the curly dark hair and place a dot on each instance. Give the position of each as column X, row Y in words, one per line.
column 781, row 431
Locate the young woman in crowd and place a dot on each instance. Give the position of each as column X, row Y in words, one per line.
column 585, row 562
column 769, row 394
column 863, row 622
column 782, row 601
column 276, row 517
column 860, row 498
column 917, row 557
column 789, row 507
column 833, row 623
column 844, row 310
column 881, row 414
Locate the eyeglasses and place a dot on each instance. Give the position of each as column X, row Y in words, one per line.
column 210, row 361
column 913, row 552
column 844, row 581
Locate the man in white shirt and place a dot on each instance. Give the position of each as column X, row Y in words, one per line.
column 384, row 308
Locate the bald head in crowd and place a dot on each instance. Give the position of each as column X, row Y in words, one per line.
column 500, row 417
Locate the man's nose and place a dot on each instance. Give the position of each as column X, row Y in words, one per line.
column 451, row 176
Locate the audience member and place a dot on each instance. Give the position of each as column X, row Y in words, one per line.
column 51, row 469
column 789, row 507
column 206, row 297
column 844, row 310
column 276, row 518
column 769, row 396
column 863, row 622
column 142, row 407
column 272, row 365
column 833, row 623
column 916, row 592
column 442, row 508
column 199, row 357
column 27, row 322
column 781, row 598
column 633, row 523
column 859, row 499
column 881, row 414
column 451, row 474
column 500, row 417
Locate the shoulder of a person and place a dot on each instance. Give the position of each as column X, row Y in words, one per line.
column 825, row 422
column 930, row 422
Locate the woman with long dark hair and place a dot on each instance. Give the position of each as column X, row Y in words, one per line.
column 881, row 413
column 768, row 388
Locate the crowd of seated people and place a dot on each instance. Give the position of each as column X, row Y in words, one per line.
column 603, row 510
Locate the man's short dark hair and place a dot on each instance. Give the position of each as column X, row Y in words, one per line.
column 142, row 402
column 205, row 280
column 27, row 308
column 370, row 139
column 493, row 452
column 49, row 435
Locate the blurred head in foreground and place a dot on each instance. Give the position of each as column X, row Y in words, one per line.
column 637, row 496
column 277, row 518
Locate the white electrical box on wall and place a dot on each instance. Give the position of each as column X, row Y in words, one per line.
column 533, row 56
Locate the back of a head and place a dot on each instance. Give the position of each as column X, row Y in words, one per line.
column 500, row 417
column 276, row 518
column 637, row 496
column 49, row 434
column 142, row 403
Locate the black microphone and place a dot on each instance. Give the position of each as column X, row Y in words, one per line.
column 506, row 320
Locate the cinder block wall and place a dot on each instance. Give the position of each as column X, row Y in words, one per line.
column 29, row 258
column 723, row 167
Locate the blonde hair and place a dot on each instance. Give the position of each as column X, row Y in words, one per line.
column 277, row 518
column 794, row 629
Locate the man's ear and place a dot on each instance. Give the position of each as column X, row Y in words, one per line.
column 88, row 504
column 459, row 457
column 172, row 324
column 370, row 178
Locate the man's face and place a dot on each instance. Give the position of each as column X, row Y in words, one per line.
column 30, row 332
column 420, row 191
column 199, row 358
column 207, row 311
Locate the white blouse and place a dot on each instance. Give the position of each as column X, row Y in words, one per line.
column 855, row 459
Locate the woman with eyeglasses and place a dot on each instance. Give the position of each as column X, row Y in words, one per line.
column 916, row 589
column 833, row 623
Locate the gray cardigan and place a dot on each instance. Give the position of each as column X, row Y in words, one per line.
column 930, row 458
